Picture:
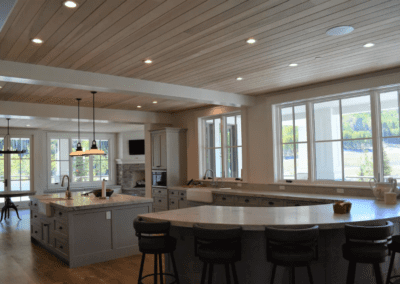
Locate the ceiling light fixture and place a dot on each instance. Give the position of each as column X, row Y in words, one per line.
column 370, row 44
column 154, row 102
column 9, row 151
column 79, row 150
column 37, row 40
column 139, row 106
column 28, row 125
column 293, row 64
column 239, row 78
column 93, row 150
column 338, row 31
column 148, row 61
column 251, row 41
column 70, row 4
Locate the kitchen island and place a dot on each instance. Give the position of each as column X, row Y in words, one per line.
column 86, row 229
column 253, row 268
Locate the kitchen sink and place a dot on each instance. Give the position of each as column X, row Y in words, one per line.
column 202, row 194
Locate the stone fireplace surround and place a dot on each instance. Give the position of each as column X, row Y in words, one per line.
column 128, row 175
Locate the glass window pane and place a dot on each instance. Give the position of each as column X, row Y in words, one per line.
column 15, row 169
column 25, row 185
column 55, row 149
column 328, row 157
column 55, row 172
column 301, row 161
column 218, row 163
column 26, row 145
column 25, row 169
column 64, row 149
column 288, row 161
column 96, row 168
column 239, row 129
column 80, row 169
column 358, row 160
column 356, row 118
column 287, row 125
column 15, row 185
column 15, row 143
column 300, row 123
column 217, row 132
column 327, row 121
column 210, row 159
column 231, row 131
column 233, row 162
column 209, row 126
column 391, row 158
column 390, row 114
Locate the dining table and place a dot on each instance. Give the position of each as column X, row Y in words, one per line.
column 9, row 204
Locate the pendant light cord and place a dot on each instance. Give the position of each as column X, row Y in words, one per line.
column 94, row 131
column 79, row 125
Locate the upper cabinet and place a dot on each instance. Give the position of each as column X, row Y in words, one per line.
column 169, row 153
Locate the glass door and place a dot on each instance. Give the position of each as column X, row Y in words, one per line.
column 15, row 169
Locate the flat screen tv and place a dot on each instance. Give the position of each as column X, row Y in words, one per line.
column 136, row 147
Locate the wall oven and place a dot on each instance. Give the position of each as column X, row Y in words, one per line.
column 159, row 178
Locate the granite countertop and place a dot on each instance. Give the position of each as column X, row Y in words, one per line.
column 80, row 202
column 256, row 218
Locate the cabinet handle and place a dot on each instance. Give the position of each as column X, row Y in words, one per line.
column 297, row 204
column 35, row 216
column 159, row 191
column 172, row 193
column 60, row 213
column 35, row 232
column 61, row 247
column 45, row 225
column 172, row 202
column 246, row 200
column 182, row 194
column 182, row 198
column 35, row 204
column 159, row 200
column 223, row 198
column 271, row 203
column 60, row 228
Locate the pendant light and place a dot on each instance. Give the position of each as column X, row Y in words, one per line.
column 9, row 151
column 93, row 150
column 78, row 151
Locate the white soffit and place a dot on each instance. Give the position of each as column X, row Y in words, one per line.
column 6, row 7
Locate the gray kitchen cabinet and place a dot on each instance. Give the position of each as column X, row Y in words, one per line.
column 159, row 151
column 173, row 203
column 177, row 199
column 160, row 197
column 224, row 200
column 246, row 201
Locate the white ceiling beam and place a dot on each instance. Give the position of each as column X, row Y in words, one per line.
column 58, row 77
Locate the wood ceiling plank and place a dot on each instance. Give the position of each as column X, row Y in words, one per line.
column 18, row 7
column 105, row 26
column 21, row 22
column 196, row 13
column 264, row 38
column 144, row 25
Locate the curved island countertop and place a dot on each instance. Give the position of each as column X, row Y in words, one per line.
column 256, row 218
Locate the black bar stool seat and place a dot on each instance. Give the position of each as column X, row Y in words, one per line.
column 367, row 244
column 154, row 239
column 217, row 244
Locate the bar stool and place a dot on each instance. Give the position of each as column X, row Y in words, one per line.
column 154, row 239
column 366, row 244
column 394, row 247
column 217, row 244
column 292, row 247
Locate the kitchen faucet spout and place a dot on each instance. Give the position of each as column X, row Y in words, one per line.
column 67, row 192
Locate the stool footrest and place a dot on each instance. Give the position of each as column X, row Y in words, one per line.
column 162, row 274
column 391, row 277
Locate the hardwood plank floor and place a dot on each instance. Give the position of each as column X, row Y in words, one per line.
column 22, row 262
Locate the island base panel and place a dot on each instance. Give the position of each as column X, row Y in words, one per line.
column 330, row 268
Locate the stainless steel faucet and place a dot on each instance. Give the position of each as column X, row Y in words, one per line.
column 205, row 176
column 67, row 192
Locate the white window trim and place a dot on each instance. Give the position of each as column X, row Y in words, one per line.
column 376, row 136
column 84, row 136
column 202, row 144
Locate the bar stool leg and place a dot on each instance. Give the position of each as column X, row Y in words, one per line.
column 390, row 267
column 235, row 278
column 155, row 268
column 310, row 274
column 210, row 273
column 293, row 276
column 227, row 273
column 351, row 273
column 273, row 274
column 378, row 274
column 203, row 275
column 141, row 269
column 161, row 271
column 174, row 266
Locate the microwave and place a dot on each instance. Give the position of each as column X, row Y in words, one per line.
column 159, row 178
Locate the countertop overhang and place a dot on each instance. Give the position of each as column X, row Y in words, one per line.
column 257, row 218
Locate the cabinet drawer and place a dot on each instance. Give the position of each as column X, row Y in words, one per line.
column 222, row 199
column 173, row 193
column 296, row 203
column 247, row 201
column 183, row 203
column 61, row 246
column 160, row 202
column 155, row 209
column 36, row 231
column 61, row 227
column 60, row 215
column 34, row 215
column 271, row 203
column 159, row 192
column 173, row 203
column 34, row 205
column 182, row 193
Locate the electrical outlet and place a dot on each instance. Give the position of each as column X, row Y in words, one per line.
column 282, row 187
column 108, row 215
column 339, row 190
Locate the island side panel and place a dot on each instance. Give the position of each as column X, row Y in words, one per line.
column 94, row 238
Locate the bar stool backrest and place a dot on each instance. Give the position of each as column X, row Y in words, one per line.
column 292, row 238
column 151, row 228
column 355, row 233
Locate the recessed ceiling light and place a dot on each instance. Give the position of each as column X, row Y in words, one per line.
column 139, row 106
column 37, row 41
column 1, row 87
column 28, row 125
column 293, row 64
column 251, row 41
column 148, row 61
column 239, row 78
column 70, row 4
column 154, row 102
column 338, row 31
column 370, row 44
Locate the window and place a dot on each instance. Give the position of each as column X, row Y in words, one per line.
column 222, row 140
column 340, row 138
column 81, row 169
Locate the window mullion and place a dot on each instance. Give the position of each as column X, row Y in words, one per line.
column 341, row 136
column 377, row 153
column 311, row 142
column 294, row 144
column 223, row 146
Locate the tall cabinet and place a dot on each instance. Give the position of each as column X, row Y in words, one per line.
column 168, row 154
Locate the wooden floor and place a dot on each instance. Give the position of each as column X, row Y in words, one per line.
column 22, row 262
